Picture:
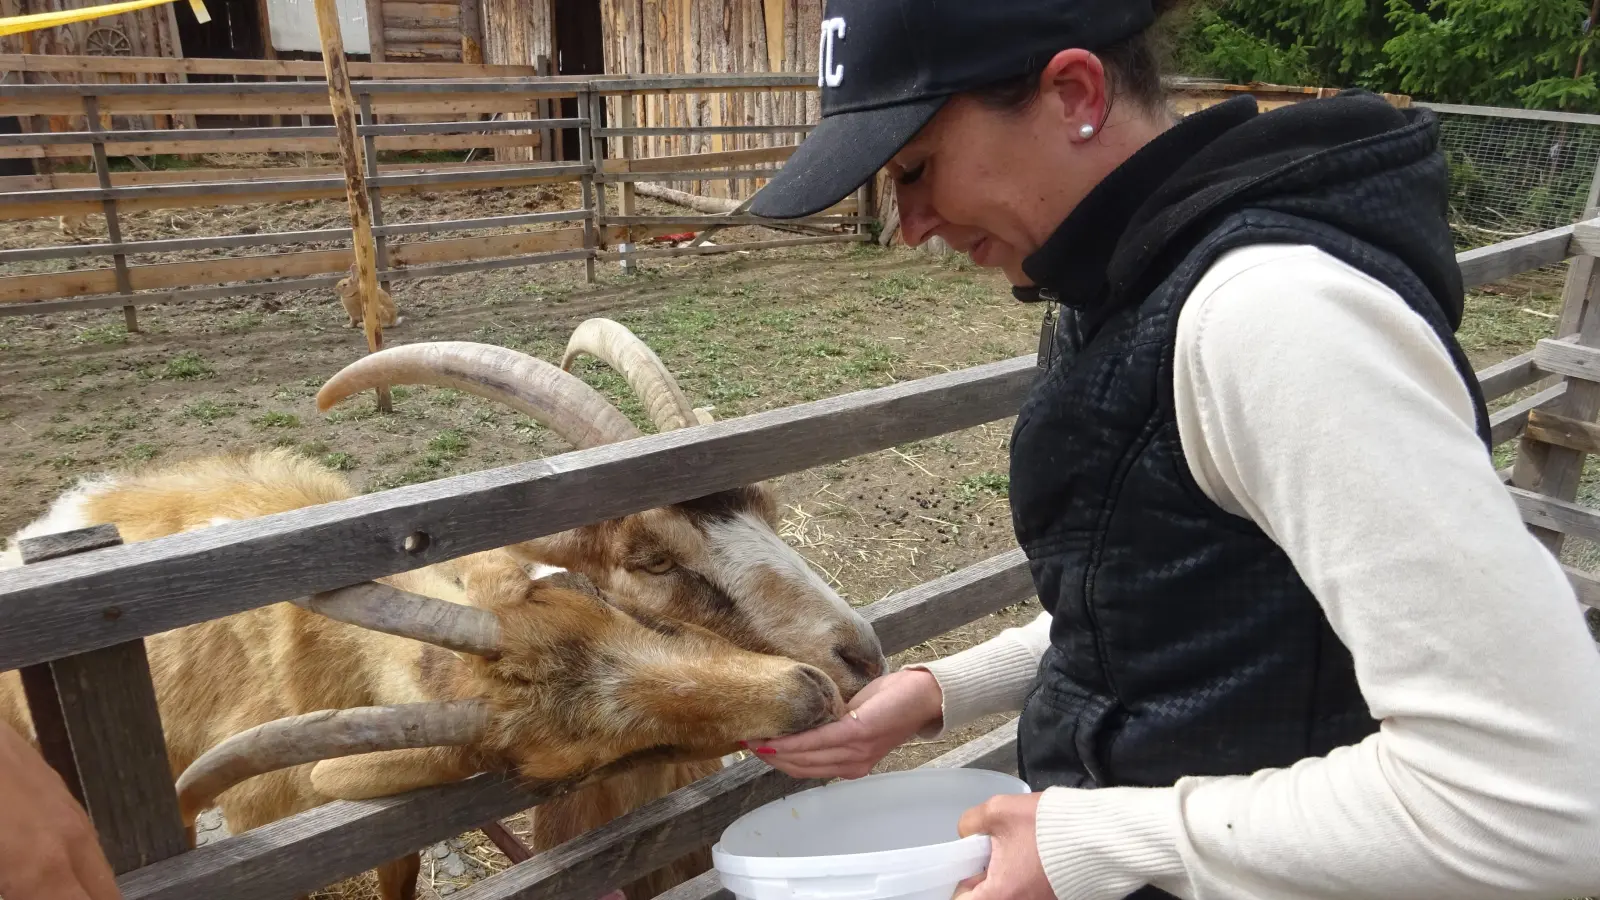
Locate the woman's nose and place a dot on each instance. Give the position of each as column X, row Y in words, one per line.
column 917, row 218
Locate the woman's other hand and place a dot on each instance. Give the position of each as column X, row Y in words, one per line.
column 884, row 715
column 48, row 849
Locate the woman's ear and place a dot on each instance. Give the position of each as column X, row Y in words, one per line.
column 1073, row 86
column 368, row 776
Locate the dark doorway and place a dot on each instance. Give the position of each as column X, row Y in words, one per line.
column 579, row 51
column 10, row 125
column 234, row 32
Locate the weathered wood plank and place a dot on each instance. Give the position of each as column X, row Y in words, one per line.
column 110, row 707
column 302, row 853
column 1570, row 359
column 1510, row 375
column 39, row 681
column 104, row 707
column 55, row 608
column 1487, row 265
column 161, row 65
column 1557, row 515
column 1508, row 423
column 1585, row 585
column 1563, row 432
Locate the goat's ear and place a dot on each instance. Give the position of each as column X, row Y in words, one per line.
column 368, row 776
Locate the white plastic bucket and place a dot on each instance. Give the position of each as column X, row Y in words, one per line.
column 876, row 838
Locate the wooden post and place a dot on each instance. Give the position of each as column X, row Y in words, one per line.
column 344, row 119
column 586, row 158
column 99, row 726
column 629, row 266
column 471, row 18
column 597, row 159
column 375, row 37
column 374, row 196
column 1547, row 468
column 102, row 168
column 547, row 109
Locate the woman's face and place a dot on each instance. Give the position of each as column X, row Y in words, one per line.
column 994, row 184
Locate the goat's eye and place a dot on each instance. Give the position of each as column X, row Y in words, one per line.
column 659, row 565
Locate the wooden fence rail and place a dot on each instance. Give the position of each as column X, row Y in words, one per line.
column 65, row 612
column 598, row 235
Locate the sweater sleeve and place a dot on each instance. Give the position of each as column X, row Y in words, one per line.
column 1312, row 401
column 992, row 677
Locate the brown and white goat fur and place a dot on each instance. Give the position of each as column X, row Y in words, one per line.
column 575, row 681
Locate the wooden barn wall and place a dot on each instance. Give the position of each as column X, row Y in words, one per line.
column 520, row 33
column 145, row 32
column 660, row 37
column 424, row 32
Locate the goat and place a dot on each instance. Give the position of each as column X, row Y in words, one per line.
column 428, row 676
column 351, row 298
column 716, row 561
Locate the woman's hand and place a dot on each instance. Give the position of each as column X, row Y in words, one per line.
column 1015, row 871
column 48, row 848
column 884, row 715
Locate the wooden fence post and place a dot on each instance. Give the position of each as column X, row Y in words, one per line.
column 586, row 96
column 102, row 168
column 629, row 207
column 374, row 196
column 342, row 102
column 471, row 19
column 99, row 726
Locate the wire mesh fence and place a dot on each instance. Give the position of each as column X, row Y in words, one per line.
column 1514, row 172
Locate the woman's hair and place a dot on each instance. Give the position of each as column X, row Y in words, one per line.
column 1133, row 66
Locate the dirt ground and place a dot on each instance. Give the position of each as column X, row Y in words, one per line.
column 744, row 333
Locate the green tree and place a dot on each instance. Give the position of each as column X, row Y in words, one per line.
column 1493, row 52
column 1486, row 52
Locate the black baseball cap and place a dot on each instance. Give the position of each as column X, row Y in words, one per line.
column 885, row 67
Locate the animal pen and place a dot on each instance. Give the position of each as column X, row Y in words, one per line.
column 77, row 613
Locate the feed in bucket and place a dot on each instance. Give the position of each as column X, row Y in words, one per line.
column 884, row 837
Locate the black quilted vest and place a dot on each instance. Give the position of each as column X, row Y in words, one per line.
column 1183, row 641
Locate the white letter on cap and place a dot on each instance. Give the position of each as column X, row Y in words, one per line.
column 828, row 73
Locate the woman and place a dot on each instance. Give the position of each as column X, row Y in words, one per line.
column 1296, row 641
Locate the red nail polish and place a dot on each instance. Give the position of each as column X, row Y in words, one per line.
column 766, row 751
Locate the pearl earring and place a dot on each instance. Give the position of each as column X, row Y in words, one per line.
column 1086, row 132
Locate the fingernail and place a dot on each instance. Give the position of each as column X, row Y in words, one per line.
column 766, row 751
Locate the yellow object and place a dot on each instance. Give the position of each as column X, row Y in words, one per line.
column 19, row 24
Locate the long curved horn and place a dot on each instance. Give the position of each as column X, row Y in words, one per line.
column 327, row 734
column 545, row 393
column 613, row 344
column 379, row 607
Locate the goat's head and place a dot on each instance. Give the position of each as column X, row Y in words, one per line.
column 544, row 676
column 716, row 561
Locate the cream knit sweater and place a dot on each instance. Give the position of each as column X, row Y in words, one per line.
column 1313, row 402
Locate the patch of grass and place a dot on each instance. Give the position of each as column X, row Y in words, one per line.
column 276, row 419
column 993, row 484
column 64, row 461
column 451, row 442
column 57, row 383
column 142, row 452
column 187, row 366
column 244, row 321
column 103, row 334
column 340, row 462
column 207, row 411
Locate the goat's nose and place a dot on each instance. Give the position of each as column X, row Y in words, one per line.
column 866, row 665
